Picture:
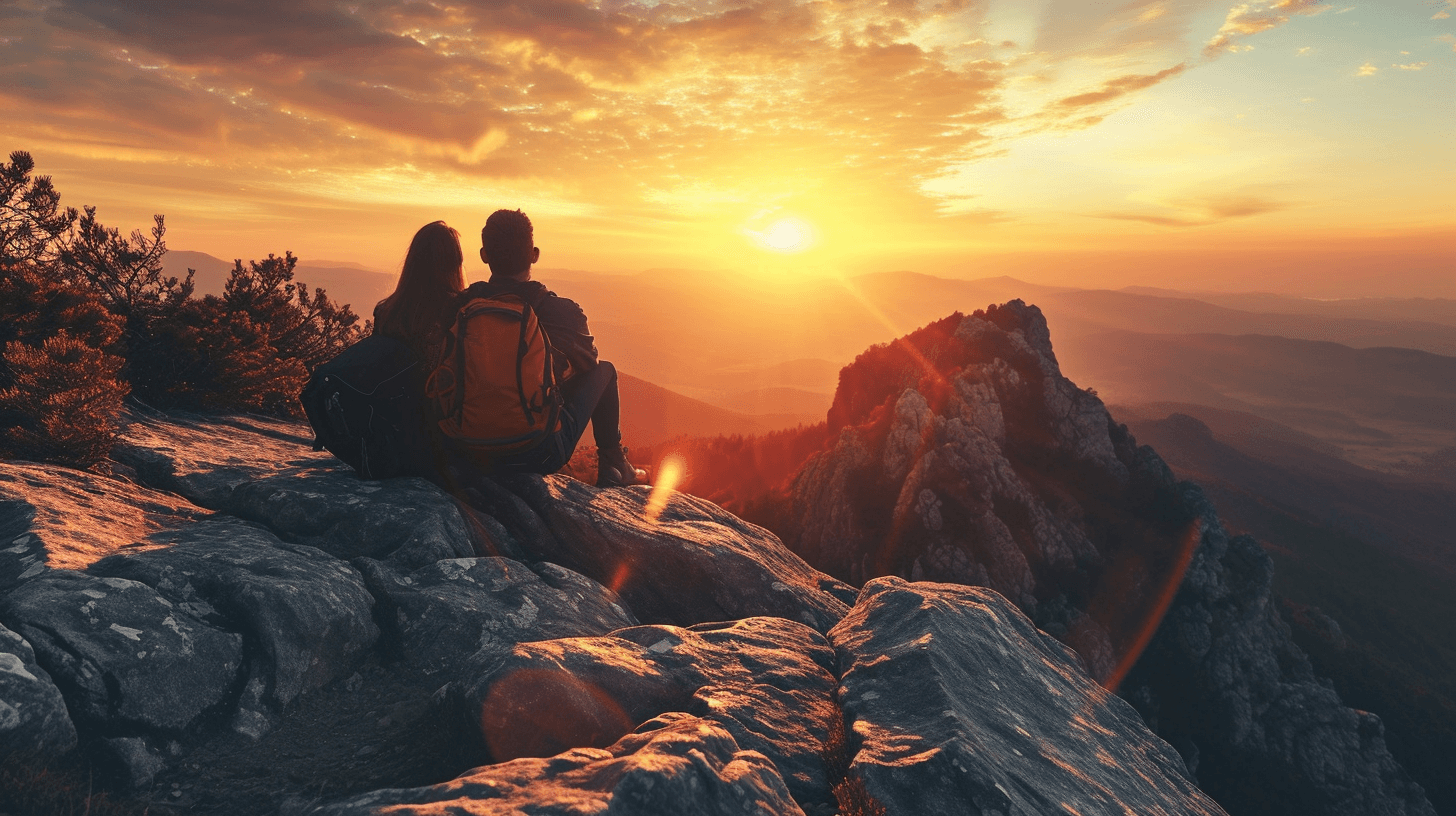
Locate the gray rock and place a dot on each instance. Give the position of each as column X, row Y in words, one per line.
column 408, row 523
column 33, row 717
column 695, row 563
column 440, row 616
column 525, row 532
column 1223, row 678
column 204, row 457
column 766, row 681
column 124, row 657
column 309, row 614
column 959, row 705
column 674, row 766
column 23, row 556
column 130, row 761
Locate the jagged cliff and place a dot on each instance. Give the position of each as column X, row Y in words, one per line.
column 963, row 455
column 234, row 624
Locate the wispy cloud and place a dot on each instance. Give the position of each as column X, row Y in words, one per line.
column 1410, row 66
column 1119, row 87
column 1368, row 69
column 1247, row 19
column 1203, row 211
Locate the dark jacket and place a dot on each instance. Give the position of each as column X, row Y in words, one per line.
column 561, row 318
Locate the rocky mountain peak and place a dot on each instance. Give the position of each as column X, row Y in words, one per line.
column 261, row 631
column 964, row 456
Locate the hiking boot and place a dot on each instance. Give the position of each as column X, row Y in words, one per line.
column 613, row 469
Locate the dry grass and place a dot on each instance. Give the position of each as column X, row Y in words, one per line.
column 34, row 787
column 849, row 791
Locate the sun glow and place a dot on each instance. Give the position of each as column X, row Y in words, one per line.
column 785, row 235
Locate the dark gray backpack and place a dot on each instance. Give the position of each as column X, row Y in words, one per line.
column 366, row 407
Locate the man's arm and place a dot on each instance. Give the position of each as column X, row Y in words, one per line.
column 565, row 324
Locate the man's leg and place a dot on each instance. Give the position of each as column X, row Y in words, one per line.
column 591, row 396
column 613, row 469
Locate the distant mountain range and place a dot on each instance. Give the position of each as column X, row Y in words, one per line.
column 652, row 414
column 346, row 282
column 766, row 354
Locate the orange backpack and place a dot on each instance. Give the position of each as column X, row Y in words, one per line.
column 496, row 390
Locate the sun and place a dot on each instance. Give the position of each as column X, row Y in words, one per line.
column 786, row 235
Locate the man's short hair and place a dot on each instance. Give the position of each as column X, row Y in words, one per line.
column 507, row 240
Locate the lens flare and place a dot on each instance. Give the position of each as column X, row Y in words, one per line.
column 1191, row 538
column 669, row 475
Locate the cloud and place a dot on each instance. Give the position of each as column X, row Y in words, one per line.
column 1365, row 70
column 624, row 101
column 1119, row 87
column 1247, row 19
column 1203, row 211
column 503, row 85
column 1410, row 66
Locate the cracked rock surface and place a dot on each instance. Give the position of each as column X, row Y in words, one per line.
column 123, row 656
column 458, row 612
column 959, row 705
column 33, row 716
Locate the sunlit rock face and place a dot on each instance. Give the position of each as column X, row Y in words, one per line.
column 694, row 563
column 675, row 765
column 768, row 682
column 964, row 456
column 56, row 517
column 203, row 458
column 959, row 704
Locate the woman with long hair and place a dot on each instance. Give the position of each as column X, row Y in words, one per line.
column 420, row 310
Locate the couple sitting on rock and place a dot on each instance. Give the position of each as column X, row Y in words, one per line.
column 523, row 354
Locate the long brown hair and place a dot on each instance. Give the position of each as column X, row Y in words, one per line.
column 433, row 273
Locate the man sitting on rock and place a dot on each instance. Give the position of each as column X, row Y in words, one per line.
column 588, row 385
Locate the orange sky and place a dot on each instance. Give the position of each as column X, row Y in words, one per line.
column 1276, row 144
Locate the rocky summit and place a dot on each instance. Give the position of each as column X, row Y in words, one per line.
column 963, row 455
column 230, row 623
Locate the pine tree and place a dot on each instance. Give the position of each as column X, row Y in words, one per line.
column 32, row 221
column 68, row 395
column 126, row 272
column 306, row 327
column 34, row 306
column 217, row 359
